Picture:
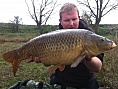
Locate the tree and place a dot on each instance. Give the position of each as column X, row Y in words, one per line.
column 15, row 23
column 87, row 17
column 42, row 10
column 99, row 8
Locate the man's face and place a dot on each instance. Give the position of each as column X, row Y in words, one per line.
column 70, row 20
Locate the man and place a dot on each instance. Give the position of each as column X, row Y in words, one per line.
column 78, row 77
column 81, row 76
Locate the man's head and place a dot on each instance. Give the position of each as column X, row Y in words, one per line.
column 69, row 16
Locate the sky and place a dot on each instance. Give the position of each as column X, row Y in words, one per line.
column 11, row 8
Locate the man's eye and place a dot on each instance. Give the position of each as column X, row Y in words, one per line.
column 66, row 20
column 74, row 19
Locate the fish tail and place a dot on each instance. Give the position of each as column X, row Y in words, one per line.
column 12, row 57
column 9, row 56
column 15, row 65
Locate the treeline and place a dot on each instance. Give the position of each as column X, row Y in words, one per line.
column 104, row 29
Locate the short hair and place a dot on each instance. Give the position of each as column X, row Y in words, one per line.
column 68, row 7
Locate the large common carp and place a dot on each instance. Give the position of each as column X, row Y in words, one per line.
column 60, row 48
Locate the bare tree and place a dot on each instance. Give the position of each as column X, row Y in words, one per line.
column 99, row 8
column 15, row 23
column 87, row 17
column 41, row 11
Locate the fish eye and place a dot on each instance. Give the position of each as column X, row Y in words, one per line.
column 102, row 39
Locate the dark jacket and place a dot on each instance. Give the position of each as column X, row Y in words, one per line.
column 78, row 76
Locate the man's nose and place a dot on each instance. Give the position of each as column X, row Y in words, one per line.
column 70, row 22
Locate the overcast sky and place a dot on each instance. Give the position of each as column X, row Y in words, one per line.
column 11, row 8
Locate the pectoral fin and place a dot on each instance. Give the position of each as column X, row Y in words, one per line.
column 61, row 68
column 78, row 60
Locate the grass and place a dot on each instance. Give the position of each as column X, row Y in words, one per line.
column 8, row 41
column 109, row 74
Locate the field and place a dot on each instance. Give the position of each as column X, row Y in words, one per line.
column 108, row 77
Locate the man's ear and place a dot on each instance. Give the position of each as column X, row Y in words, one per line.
column 60, row 20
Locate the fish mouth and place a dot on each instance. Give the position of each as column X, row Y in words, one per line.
column 113, row 45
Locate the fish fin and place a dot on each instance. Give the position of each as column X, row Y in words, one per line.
column 78, row 60
column 52, row 69
column 61, row 68
column 9, row 56
column 15, row 65
column 12, row 57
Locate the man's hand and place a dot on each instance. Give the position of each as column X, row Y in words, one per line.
column 34, row 59
column 94, row 64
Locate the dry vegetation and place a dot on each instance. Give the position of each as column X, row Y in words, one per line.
column 109, row 74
